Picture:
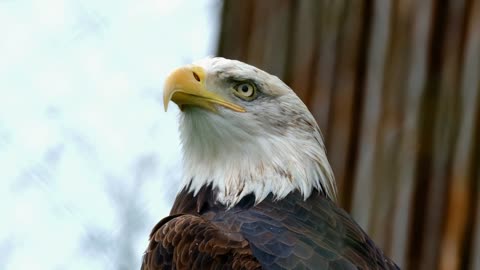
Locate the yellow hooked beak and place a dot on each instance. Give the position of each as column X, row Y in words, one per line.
column 186, row 86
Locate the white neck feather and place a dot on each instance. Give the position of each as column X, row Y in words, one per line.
column 237, row 161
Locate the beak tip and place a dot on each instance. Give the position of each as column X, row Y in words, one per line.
column 166, row 99
column 165, row 105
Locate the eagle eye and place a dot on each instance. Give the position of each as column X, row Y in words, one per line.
column 245, row 91
column 195, row 75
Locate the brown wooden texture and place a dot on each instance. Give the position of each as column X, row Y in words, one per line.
column 395, row 88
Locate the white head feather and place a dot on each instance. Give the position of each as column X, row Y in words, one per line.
column 274, row 147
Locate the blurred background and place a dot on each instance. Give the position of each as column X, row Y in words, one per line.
column 89, row 160
column 395, row 88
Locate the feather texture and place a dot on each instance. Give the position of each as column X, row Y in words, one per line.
column 275, row 146
column 287, row 234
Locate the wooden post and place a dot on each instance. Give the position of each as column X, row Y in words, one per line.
column 395, row 88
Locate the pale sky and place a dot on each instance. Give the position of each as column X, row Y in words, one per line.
column 88, row 158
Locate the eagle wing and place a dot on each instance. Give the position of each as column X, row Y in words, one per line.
column 290, row 233
column 192, row 242
column 316, row 234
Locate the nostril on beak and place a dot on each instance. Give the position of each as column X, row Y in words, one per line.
column 196, row 76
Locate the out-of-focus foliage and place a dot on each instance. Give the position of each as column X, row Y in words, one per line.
column 89, row 161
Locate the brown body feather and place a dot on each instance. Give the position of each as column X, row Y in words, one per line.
column 287, row 234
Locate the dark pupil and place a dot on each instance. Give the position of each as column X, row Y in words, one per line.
column 245, row 88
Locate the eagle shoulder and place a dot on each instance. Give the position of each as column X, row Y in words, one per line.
column 188, row 241
column 292, row 233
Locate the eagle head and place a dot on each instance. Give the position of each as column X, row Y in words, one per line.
column 244, row 131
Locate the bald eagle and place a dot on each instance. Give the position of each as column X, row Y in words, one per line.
column 257, row 189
